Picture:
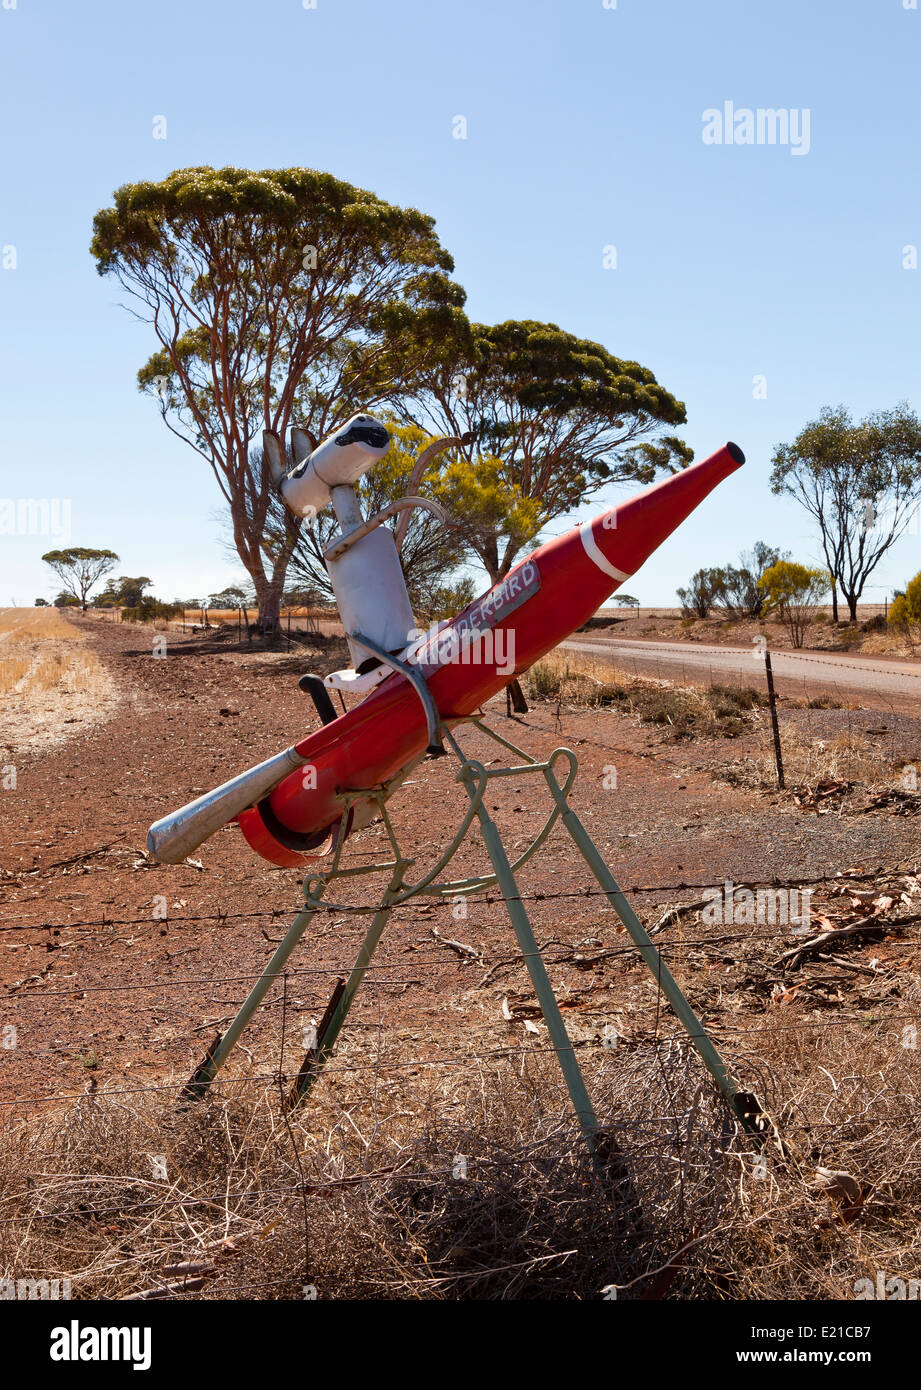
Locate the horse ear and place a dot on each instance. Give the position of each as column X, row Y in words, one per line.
column 301, row 445
column 274, row 455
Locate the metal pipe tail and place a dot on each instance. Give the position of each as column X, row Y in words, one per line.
column 173, row 838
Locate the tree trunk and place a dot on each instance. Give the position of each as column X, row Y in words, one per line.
column 269, row 591
column 852, row 607
column 269, row 602
column 834, row 604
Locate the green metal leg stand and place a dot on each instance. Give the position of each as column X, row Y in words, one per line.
column 475, row 777
column 217, row 1055
column 326, row 1038
column 666, row 981
column 527, row 941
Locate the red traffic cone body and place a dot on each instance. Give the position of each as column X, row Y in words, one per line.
column 544, row 599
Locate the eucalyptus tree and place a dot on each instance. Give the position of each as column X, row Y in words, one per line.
column 860, row 482
column 80, row 569
column 549, row 419
column 273, row 297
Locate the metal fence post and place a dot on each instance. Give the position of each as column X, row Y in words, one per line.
column 772, row 701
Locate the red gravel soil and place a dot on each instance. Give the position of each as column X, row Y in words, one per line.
column 104, row 993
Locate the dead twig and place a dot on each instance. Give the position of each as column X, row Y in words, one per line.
column 462, row 949
column 864, row 927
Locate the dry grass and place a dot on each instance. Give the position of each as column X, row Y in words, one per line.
column 44, row 671
column 809, row 761
column 361, row 1194
column 36, row 625
column 13, row 669
column 683, row 711
column 41, row 652
column 847, row 1100
column 892, row 639
column 845, row 757
column 47, row 675
column 388, row 1213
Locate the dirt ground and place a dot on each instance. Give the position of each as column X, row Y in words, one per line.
column 105, row 994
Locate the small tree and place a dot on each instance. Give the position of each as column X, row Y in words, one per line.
column 738, row 590
column 906, row 606
column 905, row 610
column 41, row 603
column 80, row 569
column 302, row 596
column 860, row 482
column 231, row 597
column 793, row 592
column 130, row 591
column 125, row 592
column 698, row 598
column 108, row 598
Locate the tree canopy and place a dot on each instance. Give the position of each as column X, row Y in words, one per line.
column 280, row 297
column 736, row 589
column 552, row 418
column 860, row 481
column 905, row 608
column 125, row 590
column 276, row 296
column 232, row 596
column 79, row 569
column 793, row 591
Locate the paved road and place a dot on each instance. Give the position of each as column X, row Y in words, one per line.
column 819, row 670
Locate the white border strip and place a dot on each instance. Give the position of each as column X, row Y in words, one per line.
column 593, row 551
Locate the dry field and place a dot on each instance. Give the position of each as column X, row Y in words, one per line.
column 230, row 615
column 51, row 683
column 436, row 1158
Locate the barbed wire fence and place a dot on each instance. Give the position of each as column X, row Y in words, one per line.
column 826, row 723
column 646, row 1142
column 670, row 1210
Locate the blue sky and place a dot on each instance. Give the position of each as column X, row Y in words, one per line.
column 584, row 130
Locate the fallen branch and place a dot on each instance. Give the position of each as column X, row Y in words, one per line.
column 674, row 914
column 865, row 927
column 166, row 1290
column 513, row 960
column 462, row 949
